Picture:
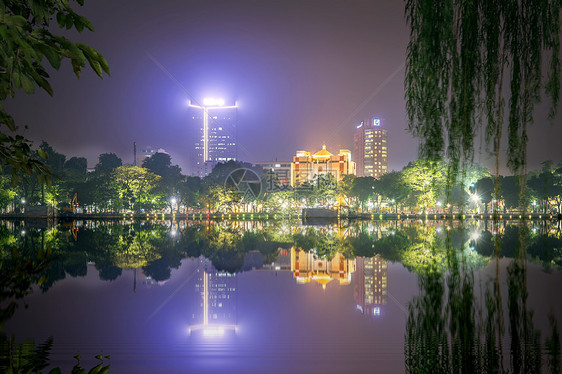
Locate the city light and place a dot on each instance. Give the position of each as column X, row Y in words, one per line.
column 213, row 102
column 213, row 331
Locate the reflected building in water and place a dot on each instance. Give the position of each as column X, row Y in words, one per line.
column 370, row 284
column 307, row 267
column 214, row 312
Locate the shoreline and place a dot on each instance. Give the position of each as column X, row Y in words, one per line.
column 283, row 216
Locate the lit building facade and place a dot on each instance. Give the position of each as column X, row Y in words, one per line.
column 214, row 127
column 370, row 284
column 306, row 167
column 370, row 148
column 307, row 267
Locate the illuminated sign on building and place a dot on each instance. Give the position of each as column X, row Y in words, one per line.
column 376, row 122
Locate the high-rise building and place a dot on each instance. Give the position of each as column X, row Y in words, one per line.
column 370, row 148
column 214, row 127
column 370, row 284
column 306, row 166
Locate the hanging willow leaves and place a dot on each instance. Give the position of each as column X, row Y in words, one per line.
column 458, row 56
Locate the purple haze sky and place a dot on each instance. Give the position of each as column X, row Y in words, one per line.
column 303, row 73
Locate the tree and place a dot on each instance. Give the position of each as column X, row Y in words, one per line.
column 161, row 164
column 484, row 189
column 391, row 186
column 107, row 162
column 458, row 56
column 218, row 198
column 558, row 188
column 426, row 180
column 27, row 44
column 543, row 186
column 7, row 193
column 76, row 168
column 190, row 191
column 510, row 191
column 222, row 170
column 362, row 188
column 134, row 186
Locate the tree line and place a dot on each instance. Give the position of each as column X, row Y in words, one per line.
column 159, row 186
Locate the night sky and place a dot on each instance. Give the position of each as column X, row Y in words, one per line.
column 302, row 72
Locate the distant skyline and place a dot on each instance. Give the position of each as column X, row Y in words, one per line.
column 302, row 72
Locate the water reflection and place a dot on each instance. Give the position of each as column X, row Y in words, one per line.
column 455, row 327
column 472, row 312
column 370, row 284
column 215, row 310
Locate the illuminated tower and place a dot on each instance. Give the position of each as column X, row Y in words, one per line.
column 369, row 284
column 214, row 125
column 370, row 148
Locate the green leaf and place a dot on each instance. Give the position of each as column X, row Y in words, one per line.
column 42, row 153
column 96, row 369
column 79, row 25
column 53, row 56
column 77, row 68
column 43, row 279
column 61, row 19
column 69, row 21
column 27, row 84
column 55, row 371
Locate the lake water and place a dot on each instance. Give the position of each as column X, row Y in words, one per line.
column 282, row 297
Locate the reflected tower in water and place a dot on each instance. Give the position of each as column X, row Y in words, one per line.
column 214, row 313
column 370, row 284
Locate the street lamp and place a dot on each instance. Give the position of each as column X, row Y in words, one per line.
column 475, row 199
column 172, row 203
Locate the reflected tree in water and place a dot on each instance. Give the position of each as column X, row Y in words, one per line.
column 450, row 330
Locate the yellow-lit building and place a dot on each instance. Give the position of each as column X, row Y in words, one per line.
column 306, row 267
column 370, row 148
column 306, row 167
